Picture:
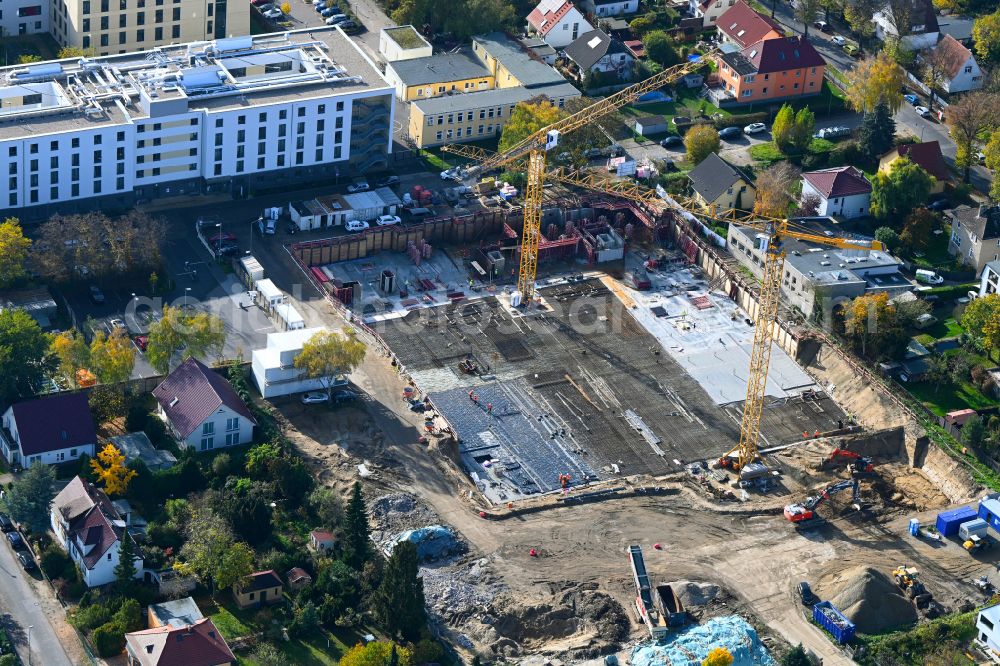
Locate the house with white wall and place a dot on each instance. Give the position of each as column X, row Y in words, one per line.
column 988, row 630
column 201, row 409
column 843, row 191
column 962, row 72
column 273, row 367
column 914, row 21
column 558, row 22
column 48, row 430
column 90, row 529
column 709, row 11
column 603, row 8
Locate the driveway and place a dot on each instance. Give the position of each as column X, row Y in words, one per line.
column 29, row 602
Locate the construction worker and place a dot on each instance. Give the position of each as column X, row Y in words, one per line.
column 489, row 408
column 816, row 434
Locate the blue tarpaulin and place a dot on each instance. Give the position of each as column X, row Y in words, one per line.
column 690, row 646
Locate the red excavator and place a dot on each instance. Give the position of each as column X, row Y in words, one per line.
column 859, row 464
column 805, row 513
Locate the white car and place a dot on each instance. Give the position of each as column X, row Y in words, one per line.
column 922, row 111
column 274, row 13
column 356, row 225
column 360, row 186
column 754, row 128
column 838, row 40
column 450, row 174
column 387, row 220
column 315, row 398
column 336, row 18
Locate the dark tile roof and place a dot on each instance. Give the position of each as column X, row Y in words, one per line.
column 738, row 63
column 927, row 155
column 744, row 26
column 100, row 527
column 59, row 422
column 983, row 221
column 296, row 574
column 198, row 644
column 838, row 182
column 714, row 176
column 192, row 393
column 587, row 49
column 262, row 580
column 779, row 55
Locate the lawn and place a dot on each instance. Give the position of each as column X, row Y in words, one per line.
column 946, row 328
column 671, row 109
column 326, row 649
column 768, row 153
column 440, row 160
column 944, row 398
column 231, row 621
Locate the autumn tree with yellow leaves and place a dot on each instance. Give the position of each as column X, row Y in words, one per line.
column 718, row 656
column 873, row 80
column 109, row 467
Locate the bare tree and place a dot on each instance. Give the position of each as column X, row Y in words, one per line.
column 807, row 11
column 774, row 190
column 968, row 117
column 935, row 68
column 901, row 14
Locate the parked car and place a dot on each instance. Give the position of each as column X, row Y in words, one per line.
column 730, row 133
column 360, row 186
column 6, row 524
column 912, row 99
column 350, row 27
column 388, row 181
column 387, row 220
column 16, row 541
column 823, row 25
column 315, row 398
column 141, row 341
column 335, row 19
column 672, row 140
column 453, row 173
column 356, row 225
column 833, row 132
column 805, row 593
column 591, row 153
column 344, row 395
column 27, row 562
column 680, row 120
column 754, row 128
column 228, row 250
column 852, row 50
column 939, row 205
column 922, row 111
column 117, row 325
column 96, row 295
column 328, row 12
column 221, row 238
column 838, row 40
column 274, row 13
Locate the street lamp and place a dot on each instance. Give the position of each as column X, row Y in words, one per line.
column 187, row 290
column 218, row 244
column 30, row 627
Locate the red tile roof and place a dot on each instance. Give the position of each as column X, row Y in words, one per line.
column 744, row 26
column 838, row 182
column 322, row 535
column 955, row 55
column 782, row 54
column 198, row 644
column 546, row 15
column 49, row 424
column 192, row 393
column 927, row 155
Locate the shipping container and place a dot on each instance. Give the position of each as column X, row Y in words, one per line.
column 977, row 527
column 948, row 521
column 831, row 619
column 989, row 510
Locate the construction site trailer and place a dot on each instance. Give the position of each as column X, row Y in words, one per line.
column 977, row 527
column 831, row 619
column 989, row 510
column 252, row 268
column 270, row 295
column 288, row 317
column 949, row 521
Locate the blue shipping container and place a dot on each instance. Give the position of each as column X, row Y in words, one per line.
column 831, row 619
column 948, row 521
column 989, row 510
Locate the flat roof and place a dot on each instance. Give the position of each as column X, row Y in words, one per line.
column 290, row 340
column 441, row 68
column 71, row 95
column 406, row 36
column 267, row 288
column 487, row 98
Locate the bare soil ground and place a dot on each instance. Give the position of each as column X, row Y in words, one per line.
column 574, row 599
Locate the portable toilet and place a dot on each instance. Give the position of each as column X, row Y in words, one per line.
column 914, row 526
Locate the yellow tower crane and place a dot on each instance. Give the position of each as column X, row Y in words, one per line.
column 534, row 147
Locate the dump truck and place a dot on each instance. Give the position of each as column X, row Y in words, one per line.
column 645, row 607
column 670, row 606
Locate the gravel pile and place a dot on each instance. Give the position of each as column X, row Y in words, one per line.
column 869, row 598
column 456, row 593
column 397, row 513
column 695, row 594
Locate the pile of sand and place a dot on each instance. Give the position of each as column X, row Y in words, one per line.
column 869, row 598
column 694, row 594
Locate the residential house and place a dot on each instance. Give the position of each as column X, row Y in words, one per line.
column 717, row 183
column 958, row 27
column 90, row 529
column 914, row 21
column 813, row 270
column 321, row 541
column 201, row 409
column 927, row 155
column 298, row 578
column 197, row 644
column 988, row 630
column 843, row 191
column 962, row 72
column 176, row 613
column 558, row 22
column 442, row 74
column 742, row 26
column 770, row 70
column 263, row 588
column 709, row 11
column 49, row 430
column 989, row 279
column 602, row 8
column 596, row 51
column 975, row 235
column 537, row 47
column 459, row 118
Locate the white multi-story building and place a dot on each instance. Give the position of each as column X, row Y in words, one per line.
column 24, row 17
column 222, row 115
column 274, row 369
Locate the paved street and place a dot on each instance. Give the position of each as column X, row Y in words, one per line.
column 28, row 601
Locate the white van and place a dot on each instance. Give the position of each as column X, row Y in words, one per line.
column 928, row 277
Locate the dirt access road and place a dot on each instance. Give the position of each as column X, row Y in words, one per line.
column 757, row 558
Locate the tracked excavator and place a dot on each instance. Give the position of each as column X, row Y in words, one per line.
column 804, row 514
